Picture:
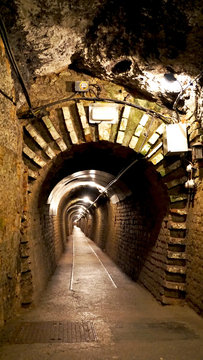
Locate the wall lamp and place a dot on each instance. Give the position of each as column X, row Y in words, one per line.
column 197, row 151
column 175, row 139
column 190, row 183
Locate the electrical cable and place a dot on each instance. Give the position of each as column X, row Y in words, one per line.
column 122, row 172
column 7, row 97
column 91, row 91
column 98, row 89
column 11, row 57
column 37, row 110
column 165, row 119
column 10, row 54
column 198, row 77
column 111, row 183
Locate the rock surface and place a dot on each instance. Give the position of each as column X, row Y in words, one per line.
column 132, row 45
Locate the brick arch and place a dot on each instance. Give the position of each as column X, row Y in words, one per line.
column 55, row 135
column 50, row 135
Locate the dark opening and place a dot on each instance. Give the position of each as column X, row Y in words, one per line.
column 122, row 66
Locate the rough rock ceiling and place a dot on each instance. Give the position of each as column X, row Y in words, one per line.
column 130, row 43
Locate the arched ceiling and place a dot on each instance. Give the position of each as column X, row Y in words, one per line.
column 85, row 181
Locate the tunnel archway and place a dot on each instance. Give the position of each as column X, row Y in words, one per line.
column 136, row 205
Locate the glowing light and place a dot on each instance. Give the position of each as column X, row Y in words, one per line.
column 87, row 200
column 93, row 174
column 165, row 83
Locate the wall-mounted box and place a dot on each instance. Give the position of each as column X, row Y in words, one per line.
column 175, row 139
column 81, row 86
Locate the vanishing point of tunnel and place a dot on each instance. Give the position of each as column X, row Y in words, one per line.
column 101, row 192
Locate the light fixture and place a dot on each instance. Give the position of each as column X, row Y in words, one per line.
column 175, row 139
column 103, row 112
column 171, row 83
column 87, row 200
column 190, row 184
column 197, row 151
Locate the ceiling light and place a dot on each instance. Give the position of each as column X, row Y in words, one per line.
column 86, row 199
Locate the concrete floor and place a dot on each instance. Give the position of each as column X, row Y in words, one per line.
column 129, row 324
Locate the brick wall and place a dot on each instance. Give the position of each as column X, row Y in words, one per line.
column 45, row 245
column 152, row 274
column 130, row 239
column 49, row 238
column 101, row 233
column 40, row 262
column 194, row 278
column 132, row 246
column 136, row 232
column 92, row 226
column 194, row 234
column 57, row 236
column 127, row 236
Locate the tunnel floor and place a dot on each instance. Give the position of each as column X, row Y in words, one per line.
column 91, row 310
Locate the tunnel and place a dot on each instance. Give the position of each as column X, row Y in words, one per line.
column 128, row 206
column 101, row 158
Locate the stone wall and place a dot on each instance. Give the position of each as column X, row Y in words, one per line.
column 143, row 43
column 11, row 194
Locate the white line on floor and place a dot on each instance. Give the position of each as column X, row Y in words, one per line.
column 102, row 264
column 72, row 268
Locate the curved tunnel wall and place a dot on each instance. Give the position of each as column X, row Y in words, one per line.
column 110, row 222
